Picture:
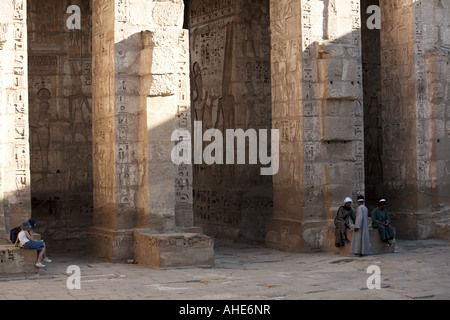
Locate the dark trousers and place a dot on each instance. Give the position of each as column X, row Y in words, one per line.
column 340, row 232
column 386, row 233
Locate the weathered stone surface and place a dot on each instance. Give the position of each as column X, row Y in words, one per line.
column 15, row 261
column 325, row 59
column 413, row 104
column 110, row 245
column 173, row 249
column 86, row 130
column 426, row 225
column 60, row 107
column 231, row 89
column 15, row 200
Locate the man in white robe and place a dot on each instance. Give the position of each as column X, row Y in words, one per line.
column 361, row 237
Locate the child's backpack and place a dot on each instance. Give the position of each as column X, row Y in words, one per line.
column 13, row 234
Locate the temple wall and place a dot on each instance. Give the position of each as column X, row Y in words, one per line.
column 60, row 102
column 231, row 89
column 87, row 116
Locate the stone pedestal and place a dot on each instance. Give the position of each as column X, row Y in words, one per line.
column 173, row 249
column 377, row 246
column 110, row 245
column 15, row 261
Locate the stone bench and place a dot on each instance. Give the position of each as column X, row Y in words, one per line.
column 15, row 261
column 377, row 245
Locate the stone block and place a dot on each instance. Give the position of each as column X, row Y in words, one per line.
column 284, row 235
column 15, row 261
column 419, row 226
column 173, row 249
column 377, row 246
column 337, row 128
column 314, row 233
column 110, row 245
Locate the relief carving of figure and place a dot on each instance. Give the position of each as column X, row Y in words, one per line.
column 40, row 127
column 79, row 108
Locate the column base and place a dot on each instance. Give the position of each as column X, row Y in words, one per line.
column 419, row 226
column 110, row 245
column 173, row 249
column 285, row 235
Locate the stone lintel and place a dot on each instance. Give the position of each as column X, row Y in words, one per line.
column 173, row 249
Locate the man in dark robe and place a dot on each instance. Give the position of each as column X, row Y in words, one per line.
column 341, row 221
column 382, row 222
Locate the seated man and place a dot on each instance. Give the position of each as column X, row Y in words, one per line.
column 382, row 222
column 342, row 222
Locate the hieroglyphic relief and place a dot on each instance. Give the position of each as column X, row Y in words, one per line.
column 183, row 178
column 124, row 163
column 423, row 140
column 15, row 163
column 398, row 87
column 206, row 11
column 103, row 113
column 60, row 118
column 230, row 89
column 332, row 90
column 19, row 86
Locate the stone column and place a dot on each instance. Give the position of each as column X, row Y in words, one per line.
column 165, row 236
column 316, row 103
column 414, row 62
column 140, row 96
column 414, row 101
column 15, row 201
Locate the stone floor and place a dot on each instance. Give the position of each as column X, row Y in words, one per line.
column 416, row 270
